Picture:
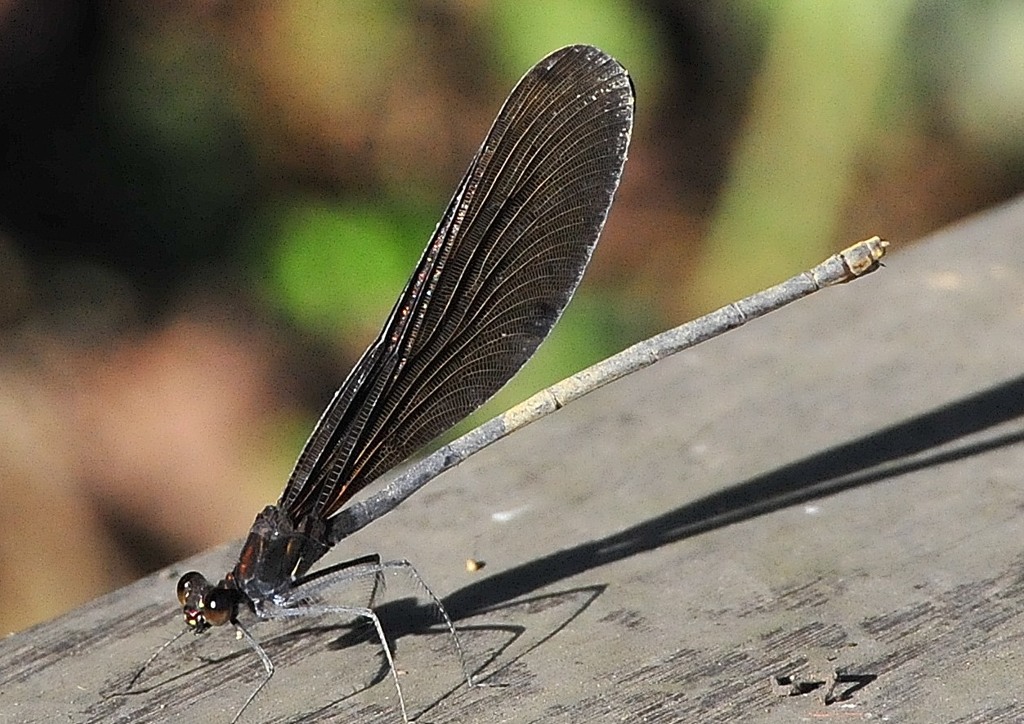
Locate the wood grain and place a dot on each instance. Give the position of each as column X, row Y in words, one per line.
column 834, row 491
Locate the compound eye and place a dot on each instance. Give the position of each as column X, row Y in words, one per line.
column 219, row 606
column 193, row 584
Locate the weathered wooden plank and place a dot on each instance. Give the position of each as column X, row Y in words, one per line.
column 838, row 485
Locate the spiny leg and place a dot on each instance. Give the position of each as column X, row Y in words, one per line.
column 372, row 565
column 410, row 570
column 153, row 658
column 138, row 674
column 268, row 666
column 308, row 609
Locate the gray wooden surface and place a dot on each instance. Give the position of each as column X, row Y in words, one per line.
column 838, row 486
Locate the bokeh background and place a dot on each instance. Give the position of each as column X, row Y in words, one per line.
column 207, row 209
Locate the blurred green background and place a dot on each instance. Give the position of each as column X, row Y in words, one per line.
column 207, row 209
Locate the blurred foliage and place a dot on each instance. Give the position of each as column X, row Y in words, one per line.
column 328, row 264
column 261, row 178
column 812, row 111
column 526, row 31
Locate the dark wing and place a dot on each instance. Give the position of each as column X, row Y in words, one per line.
column 502, row 265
